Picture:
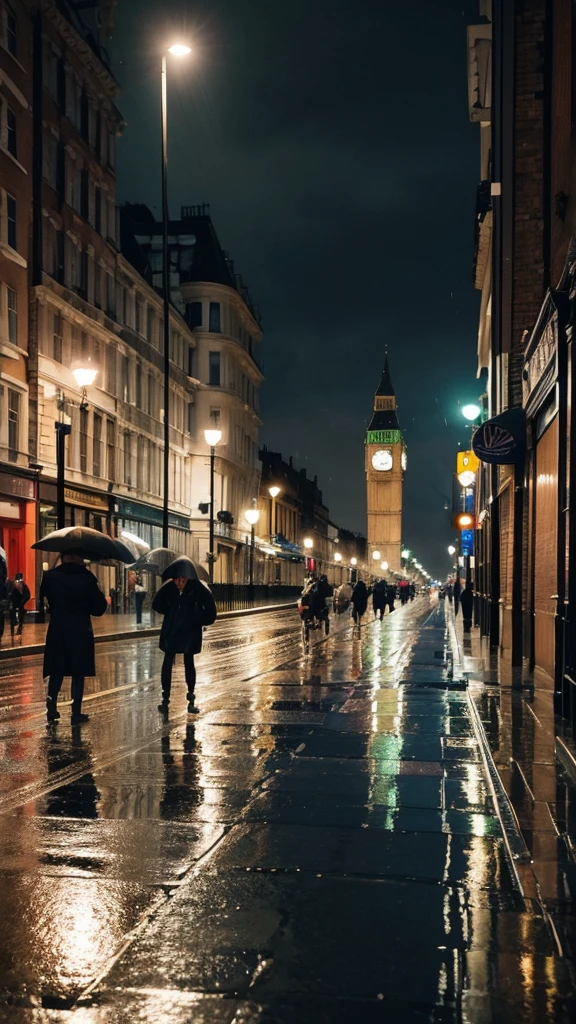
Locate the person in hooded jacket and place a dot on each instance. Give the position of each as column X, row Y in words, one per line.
column 73, row 595
column 359, row 600
column 187, row 606
column 380, row 598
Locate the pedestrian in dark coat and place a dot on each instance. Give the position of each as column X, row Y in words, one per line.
column 467, row 602
column 380, row 598
column 359, row 600
column 187, row 606
column 457, row 591
column 391, row 596
column 73, row 595
column 19, row 595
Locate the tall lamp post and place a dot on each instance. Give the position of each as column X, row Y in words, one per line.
column 252, row 515
column 212, row 437
column 273, row 492
column 177, row 50
column 84, row 377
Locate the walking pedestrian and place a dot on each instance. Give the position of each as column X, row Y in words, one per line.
column 359, row 600
column 380, row 598
column 18, row 596
column 391, row 596
column 457, row 591
column 139, row 597
column 467, row 602
column 187, row 606
column 73, row 595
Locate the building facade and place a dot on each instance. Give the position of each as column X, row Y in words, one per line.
column 385, row 464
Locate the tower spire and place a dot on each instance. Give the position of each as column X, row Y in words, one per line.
column 386, row 387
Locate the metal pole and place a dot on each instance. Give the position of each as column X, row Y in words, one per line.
column 211, row 552
column 252, row 556
column 166, row 295
column 62, row 429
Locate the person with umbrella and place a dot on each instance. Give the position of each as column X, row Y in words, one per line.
column 187, row 606
column 73, row 596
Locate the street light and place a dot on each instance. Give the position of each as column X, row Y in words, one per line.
column 308, row 543
column 353, row 561
column 337, row 557
column 212, row 437
column 177, row 50
column 252, row 515
column 273, row 492
column 384, row 565
column 466, row 478
column 406, row 553
column 471, row 412
column 376, row 556
column 451, row 550
column 84, row 375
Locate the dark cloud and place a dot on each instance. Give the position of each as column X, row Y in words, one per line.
column 331, row 138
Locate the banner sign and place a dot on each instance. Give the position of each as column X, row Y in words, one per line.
column 501, row 441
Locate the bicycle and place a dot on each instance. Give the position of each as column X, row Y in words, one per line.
column 313, row 622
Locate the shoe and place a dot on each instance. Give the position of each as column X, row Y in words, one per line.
column 79, row 719
column 193, row 709
column 52, row 713
column 164, row 707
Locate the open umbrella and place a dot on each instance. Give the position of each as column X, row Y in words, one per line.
column 92, row 544
column 158, row 560
column 185, row 567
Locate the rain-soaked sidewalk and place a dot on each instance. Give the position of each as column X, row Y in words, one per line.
column 320, row 845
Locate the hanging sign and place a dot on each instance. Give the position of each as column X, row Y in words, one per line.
column 501, row 441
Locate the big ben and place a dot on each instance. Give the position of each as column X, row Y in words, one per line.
column 385, row 467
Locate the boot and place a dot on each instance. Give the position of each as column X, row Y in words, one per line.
column 164, row 704
column 77, row 718
column 52, row 713
column 192, row 709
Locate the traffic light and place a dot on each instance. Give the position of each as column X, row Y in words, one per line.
column 463, row 521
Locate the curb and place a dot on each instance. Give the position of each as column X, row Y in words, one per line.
column 139, row 634
column 567, row 757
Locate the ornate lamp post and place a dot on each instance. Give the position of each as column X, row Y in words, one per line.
column 252, row 515
column 84, row 377
column 212, row 438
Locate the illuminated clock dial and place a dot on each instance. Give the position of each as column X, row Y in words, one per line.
column 404, row 460
column 382, row 459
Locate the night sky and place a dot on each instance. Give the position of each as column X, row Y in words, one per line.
column 332, row 140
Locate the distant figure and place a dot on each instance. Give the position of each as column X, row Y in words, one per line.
column 457, row 590
column 187, row 606
column 18, row 596
column 467, row 602
column 73, row 595
column 442, row 593
column 412, row 591
column 359, row 600
column 391, row 596
column 342, row 597
column 380, row 598
column 139, row 597
column 450, row 591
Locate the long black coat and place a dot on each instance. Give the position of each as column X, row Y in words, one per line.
column 184, row 616
column 380, row 595
column 360, row 597
column 73, row 595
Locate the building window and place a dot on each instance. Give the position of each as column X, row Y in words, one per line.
column 111, row 369
column 84, row 207
column 194, row 314
column 13, row 424
column 190, row 424
column 127, row 458
column 97, row 445
column 214, row 322
column 83, row 440
column 11, row 32
column 150, row 325
column 214, row 369
column 98, row 209
column 111, row 450
column 191, row 360
column 12, row 304
column 50, row 159
column 11, row 236
column 84, row 115
column 139, row 321
column 125, row 382
column 11, row 137
column 57, row 338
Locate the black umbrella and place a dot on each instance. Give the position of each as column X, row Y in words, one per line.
column 91, row 544
column 185, row 567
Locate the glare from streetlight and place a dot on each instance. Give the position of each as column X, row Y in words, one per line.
column 212, row 437
column 466, row 477
column 179, row 50
column 308, row 543
column 471, row 411
column 376, row 556
column 384, row 565
column 337, row 557
column 451, row 550
column 252, row 515
column 353, row 561
column 273, row 492
column 85, row 375
column 406, row 553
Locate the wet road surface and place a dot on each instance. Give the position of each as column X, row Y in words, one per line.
column 318, row 844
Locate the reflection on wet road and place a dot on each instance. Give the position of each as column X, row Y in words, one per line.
column 318, row 844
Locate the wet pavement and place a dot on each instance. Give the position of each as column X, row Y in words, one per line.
column 319, row 844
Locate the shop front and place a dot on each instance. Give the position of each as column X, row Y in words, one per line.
column 145, row 522
column 82, row 508
column 18, row 527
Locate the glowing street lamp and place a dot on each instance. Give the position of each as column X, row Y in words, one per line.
column 337, row 557
column 451, row 549
column 384, row 565
column 471, row 411
column 84, row 375
column 273, row 492
column 252, row 515
column 212, row 438
column 466, row 478
column 353, row 561
column 376, row 556
column 308, row 543
column 406, row 554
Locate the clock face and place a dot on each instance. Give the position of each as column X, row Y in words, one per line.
column 404, row 461
column 382, row 459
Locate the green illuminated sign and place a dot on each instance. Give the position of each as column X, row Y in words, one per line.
column 383, row 437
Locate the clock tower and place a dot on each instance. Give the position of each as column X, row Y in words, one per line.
column 385, row 467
